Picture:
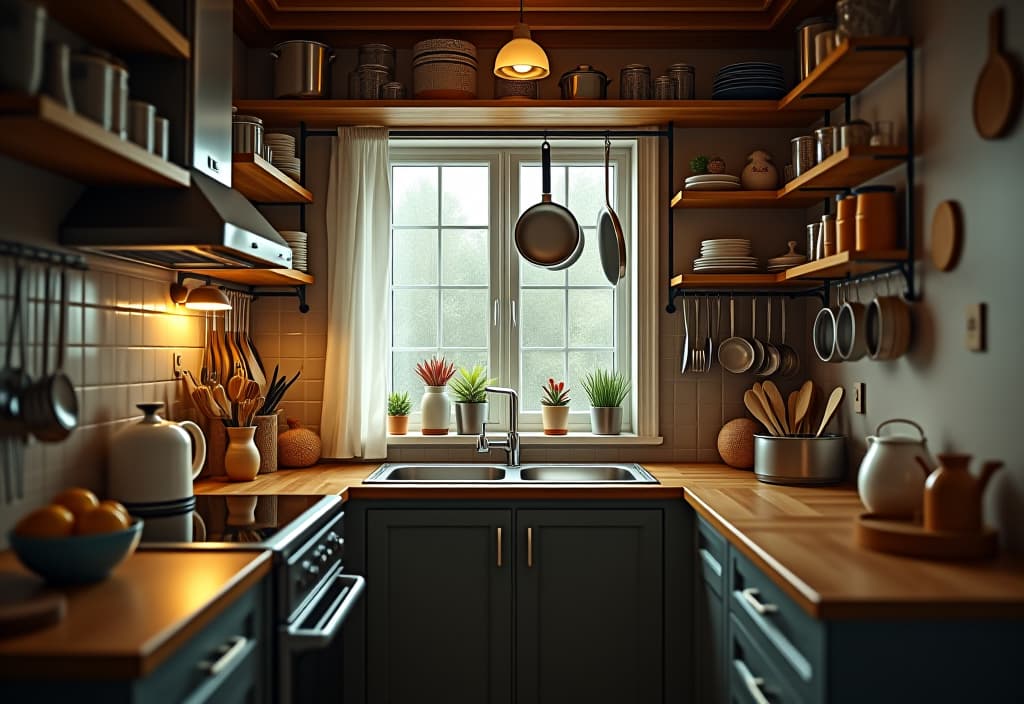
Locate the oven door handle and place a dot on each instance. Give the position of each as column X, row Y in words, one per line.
column 297, row 637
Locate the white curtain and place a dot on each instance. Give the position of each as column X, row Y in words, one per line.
column 358, row 249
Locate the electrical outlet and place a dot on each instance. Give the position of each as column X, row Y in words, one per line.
column 858, row 397
column 976, row 327
column 176, row 364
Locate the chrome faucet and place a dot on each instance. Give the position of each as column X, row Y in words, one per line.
column 511, row 442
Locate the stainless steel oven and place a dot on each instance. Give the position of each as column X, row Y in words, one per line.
column 313, row 594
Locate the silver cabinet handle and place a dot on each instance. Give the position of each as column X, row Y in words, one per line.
column 499, row 546
column 512, row 312
column 529, row 547
column 752, row 683
column 229, row 652
column 750, row 596
column 496, row 313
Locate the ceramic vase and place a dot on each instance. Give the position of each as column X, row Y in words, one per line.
column 242, row 459
column 555, row 419
column 606, row 420
column 435, row 410
column 398, row 425
column 470, row 418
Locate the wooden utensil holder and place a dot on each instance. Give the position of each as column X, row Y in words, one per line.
column 267, row 428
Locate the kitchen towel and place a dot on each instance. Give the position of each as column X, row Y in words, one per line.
column 353, row 421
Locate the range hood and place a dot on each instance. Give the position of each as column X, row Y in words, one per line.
column 208, row 225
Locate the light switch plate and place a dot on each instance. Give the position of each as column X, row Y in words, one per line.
column 976, row 327
column 858, row 397
column 176, row 364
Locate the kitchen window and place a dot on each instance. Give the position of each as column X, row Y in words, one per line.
column 459, row 287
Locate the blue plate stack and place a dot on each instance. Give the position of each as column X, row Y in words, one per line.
column 749, row 80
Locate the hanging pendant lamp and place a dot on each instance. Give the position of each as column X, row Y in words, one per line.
column 522, row 59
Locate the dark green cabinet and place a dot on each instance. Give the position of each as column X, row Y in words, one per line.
column 439, row 606
column 520, row 602
column 589, row 606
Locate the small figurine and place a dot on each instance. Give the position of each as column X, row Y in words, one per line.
column 716, row 165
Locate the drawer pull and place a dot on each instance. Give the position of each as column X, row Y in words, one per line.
column 750, row 596
column 229, row 652
column 752, row 683
column 529, row 547
column 499, row 546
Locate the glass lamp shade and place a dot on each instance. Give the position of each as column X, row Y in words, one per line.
column 207, row 298
column 521, row 59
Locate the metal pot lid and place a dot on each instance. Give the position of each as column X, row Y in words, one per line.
column 637, row 67
column 302, row 41
column 584, row 69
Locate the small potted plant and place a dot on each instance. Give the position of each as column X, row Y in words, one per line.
column 436, row 407
column 554, row 407
column 470, row 390
column 399, row 407
column 606, row 391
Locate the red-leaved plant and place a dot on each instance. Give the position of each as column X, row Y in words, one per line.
column 435, row 371
column 555, row 393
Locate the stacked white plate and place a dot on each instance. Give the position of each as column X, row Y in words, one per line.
column 712, row 182
column 787, row 260
column 296, row 239
column 725, row 255
column 283, row 156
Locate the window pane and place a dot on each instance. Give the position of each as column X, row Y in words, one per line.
column 591, row 315
column 543, row 318
column 403, row 372
column 464, row 259
column 580, row 364
column 530, row 186
column 415, row 257
column 415, row 318
column 414, row 195
column 464, row 195
column 538, row 367
column 464, row 318
column 532, row 275
column 587, row 271
column 467, row 359
column 586, row 193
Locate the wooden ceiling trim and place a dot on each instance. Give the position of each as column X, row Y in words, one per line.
column 504, row 6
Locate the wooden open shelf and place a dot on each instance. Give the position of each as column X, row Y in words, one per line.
column 38, row 130
column 262, row 182
column 846, row 168
column 803, row 277
column 258, row 277
column 130, row 26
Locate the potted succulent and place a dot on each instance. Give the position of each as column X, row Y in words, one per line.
column 554, row 408
column 606, row 391
column 436, row 407
column 470, row 390
column 399, row 407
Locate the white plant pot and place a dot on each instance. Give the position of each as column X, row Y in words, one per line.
column 555, row 419
column 435, row 410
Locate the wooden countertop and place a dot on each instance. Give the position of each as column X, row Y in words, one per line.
column 127, row 625
column 802, row 537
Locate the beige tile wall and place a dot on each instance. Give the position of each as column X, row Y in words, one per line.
column 123, row 331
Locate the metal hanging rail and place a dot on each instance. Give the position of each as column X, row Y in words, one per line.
column 254, row 291
column 34, row 253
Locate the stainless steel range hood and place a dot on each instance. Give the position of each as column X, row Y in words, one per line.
column 208, row 225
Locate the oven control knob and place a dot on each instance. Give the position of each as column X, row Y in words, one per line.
column 333, row 537
column 310, row 569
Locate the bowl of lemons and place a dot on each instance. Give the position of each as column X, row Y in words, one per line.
column 77, row 539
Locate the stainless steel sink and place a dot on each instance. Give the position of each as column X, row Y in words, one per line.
column 546, row 473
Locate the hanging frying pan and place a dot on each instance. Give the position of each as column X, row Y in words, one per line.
column 610, row 239
column 547, row 234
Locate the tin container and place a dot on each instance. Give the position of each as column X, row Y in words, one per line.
column 246, row 134
column 856, row 133
column 826, row 141
column 804, row 153
column 806, row 31
column 846, row 222
column 635, row 82
column 380, row 54
column 161, row 136
column 371, row 78
column 392, row 91
column 828, row 234
column 685, row 79
column 876, row 218
column 800, row 459
column 584, row 83
column 666, row 88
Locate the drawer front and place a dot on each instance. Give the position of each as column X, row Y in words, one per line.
column 753, row 678
column 787, row 634
column 232, row 648
column 712, row 551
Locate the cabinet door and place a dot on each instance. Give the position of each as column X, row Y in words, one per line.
column 710, row 648
column 439, row 606
column 589, row 606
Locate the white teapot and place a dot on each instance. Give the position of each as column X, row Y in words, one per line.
column 153, row 462
column 891, row 481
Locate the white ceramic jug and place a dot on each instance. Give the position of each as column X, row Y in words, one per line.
column 153, row 461
column 891, row 480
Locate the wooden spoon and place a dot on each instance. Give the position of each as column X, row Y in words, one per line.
column 830, row 409
column 803, row 404
column 766, row 406
column 997, row 93
column 753, row 405
column 778, row 405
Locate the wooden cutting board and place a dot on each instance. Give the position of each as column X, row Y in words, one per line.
column 27, row 605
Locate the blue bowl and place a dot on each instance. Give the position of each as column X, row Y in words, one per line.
column 76, row 559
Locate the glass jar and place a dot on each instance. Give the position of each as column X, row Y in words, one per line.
column 867, row 18
column 635, row 82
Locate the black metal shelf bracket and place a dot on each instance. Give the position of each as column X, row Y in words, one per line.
column 298, row 292
column 35, row 253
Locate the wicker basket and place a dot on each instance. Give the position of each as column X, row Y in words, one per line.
column 266, row 442
column 736, row 443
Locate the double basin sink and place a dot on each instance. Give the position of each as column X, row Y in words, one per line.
column 546, row 473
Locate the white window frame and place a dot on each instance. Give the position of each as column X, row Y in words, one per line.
column 639, row 209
